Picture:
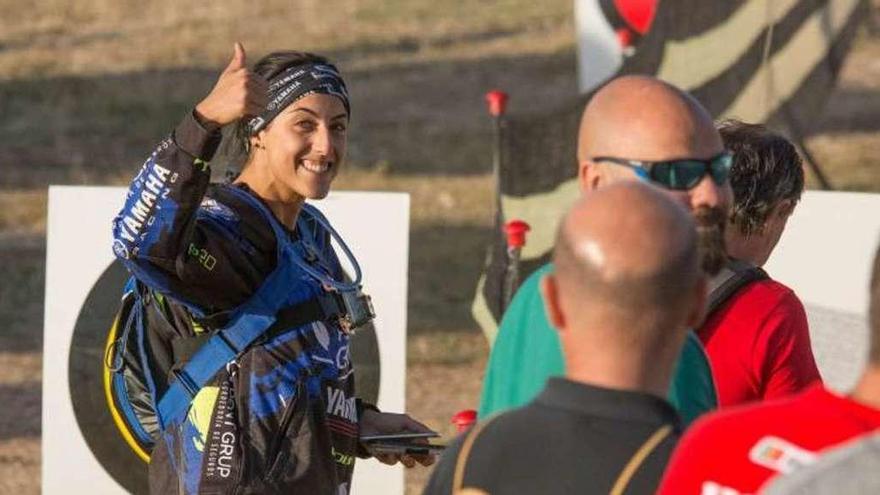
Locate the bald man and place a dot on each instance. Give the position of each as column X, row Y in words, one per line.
column 634, row 128
column 626, row 286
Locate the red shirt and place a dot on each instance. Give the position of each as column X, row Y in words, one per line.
column 739, row 449
column 758, row 344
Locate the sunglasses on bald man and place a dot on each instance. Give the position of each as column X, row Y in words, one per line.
column 681, row 174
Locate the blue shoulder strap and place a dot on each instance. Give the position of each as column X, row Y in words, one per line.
column 224, row 346
column 220, row 349
column 228, row 343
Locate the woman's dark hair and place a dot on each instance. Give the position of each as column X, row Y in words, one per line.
column 235, row 149
column 766, row 170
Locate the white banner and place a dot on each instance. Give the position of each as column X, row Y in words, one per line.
column 599, row 53
column 825, row 255
column 83, row 286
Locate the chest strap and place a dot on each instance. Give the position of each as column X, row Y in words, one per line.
column 733, row 277
column 228, row 343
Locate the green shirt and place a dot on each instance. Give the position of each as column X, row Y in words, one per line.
column 527, row 352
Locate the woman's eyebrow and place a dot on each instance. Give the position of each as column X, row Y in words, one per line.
column 304, row 109
column 315, row 114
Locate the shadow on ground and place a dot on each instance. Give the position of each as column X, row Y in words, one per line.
column 21, row 297
column 419, row 118
column 445, row 264
column 20, row 415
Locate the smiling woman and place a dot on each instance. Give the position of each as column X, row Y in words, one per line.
column 299, row 154
column 240, row 311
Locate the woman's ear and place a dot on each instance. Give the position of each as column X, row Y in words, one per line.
column 550, row 295
column 254, row 142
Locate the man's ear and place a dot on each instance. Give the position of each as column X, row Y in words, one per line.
column 589, row 176
column 699, row 298
column 550, row 295
column 785, row 208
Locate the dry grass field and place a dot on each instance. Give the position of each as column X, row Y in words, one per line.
column 87, row 88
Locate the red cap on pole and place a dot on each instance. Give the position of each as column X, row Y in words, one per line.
column 497, row 101
column 516, row 233
column 625, row 37
column 464, row 419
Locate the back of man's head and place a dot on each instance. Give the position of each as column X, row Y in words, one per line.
column 627, row 275
column 767, row 171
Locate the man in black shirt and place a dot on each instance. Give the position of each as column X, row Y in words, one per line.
column 625, row 288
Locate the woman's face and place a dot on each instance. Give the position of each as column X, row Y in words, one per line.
column 305, row 145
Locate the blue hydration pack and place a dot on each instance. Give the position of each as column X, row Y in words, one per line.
column 152, row 374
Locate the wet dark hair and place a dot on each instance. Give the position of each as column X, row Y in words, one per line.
column 235, row 148
column 766, row 170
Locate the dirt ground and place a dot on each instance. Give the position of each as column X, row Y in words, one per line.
column 77, row 93
column 447, row 361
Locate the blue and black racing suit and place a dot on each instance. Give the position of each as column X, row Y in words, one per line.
column 282, row 417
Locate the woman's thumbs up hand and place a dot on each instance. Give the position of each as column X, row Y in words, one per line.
column 238, row 93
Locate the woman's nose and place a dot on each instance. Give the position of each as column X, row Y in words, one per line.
column 321, row 141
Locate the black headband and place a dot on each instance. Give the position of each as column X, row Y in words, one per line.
column 295, row 83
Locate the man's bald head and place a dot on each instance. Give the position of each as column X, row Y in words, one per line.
column 625, row 287
column 633, row 266
column 643, row 118
column 646, row 119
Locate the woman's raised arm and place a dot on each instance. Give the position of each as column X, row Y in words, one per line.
column 152, row 232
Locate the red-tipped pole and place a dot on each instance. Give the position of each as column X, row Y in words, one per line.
column 496, row 101
column 516, row 233
column 516, row 238
column 464, row 420
column 626, row 39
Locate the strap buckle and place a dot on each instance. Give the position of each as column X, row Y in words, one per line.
column 352, row 308
column 358, row 310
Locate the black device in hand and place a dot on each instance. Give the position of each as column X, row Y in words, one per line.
column 402, row 443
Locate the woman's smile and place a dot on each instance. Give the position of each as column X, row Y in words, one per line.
column 316, row 167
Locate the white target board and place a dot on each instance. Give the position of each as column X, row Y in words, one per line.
column 80, row 259
column 825, row 255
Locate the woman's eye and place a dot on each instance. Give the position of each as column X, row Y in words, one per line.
column 306, row 125
column 339, row 128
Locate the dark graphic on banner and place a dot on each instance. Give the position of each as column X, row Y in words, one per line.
column 755, row 60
